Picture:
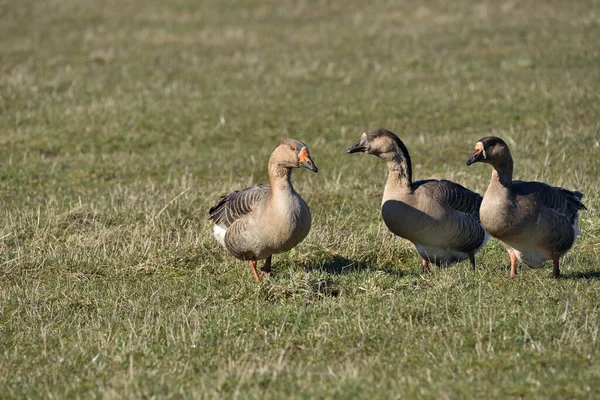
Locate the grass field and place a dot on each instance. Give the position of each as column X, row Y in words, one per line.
column 121, row 123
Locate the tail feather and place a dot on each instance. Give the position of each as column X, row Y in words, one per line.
column 215, row 212
column 578, row 195
column 575, row 198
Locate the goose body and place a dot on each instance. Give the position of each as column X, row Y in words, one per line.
column 440, row 217
column 259, row 221
column 534, row 221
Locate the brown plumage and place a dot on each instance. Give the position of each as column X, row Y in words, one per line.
column 259, row 221
column 235, row 205
column 536, row 222
column 441, row 218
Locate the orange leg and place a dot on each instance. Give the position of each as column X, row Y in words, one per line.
column 513, row 263
column 266, row 269
column 555, row 266
column 472, row 258
column 253, row 268
column 425, row 266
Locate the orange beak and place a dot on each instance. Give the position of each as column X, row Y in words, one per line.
column 305, row 161
column 476, row 156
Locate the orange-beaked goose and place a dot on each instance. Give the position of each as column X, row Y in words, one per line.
column 259, row 221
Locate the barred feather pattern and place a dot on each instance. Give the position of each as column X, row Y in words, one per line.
column 469, row 231
column 233, row 206
column 563, row 201
column 560, row 212
column 464, row 203
column 459, row 198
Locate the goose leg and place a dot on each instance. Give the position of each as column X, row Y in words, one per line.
column 253, row 268
column 425, row 266
column 266, row 269
column 513, row 263
column 555, row 266
column 472, row 258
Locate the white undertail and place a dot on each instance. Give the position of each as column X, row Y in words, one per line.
column 219, row 234
column 486, row 237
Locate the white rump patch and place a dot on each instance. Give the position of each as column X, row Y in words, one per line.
column 533, row 258
column 219, row 234
column 576, row 226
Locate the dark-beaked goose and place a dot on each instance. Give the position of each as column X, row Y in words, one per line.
column 535, row 222
column 441, row 218
column 259, row 221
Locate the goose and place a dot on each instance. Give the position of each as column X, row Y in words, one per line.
column 256, row 222
column 441, row 218
column 534, row 221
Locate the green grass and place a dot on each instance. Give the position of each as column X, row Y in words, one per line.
column 121, row 123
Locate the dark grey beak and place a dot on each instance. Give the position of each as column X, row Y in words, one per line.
column 308, row 163
column 360, row 146
column 475, row 157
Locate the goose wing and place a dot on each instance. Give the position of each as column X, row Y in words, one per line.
column 563, row 201
column 462, row 223
column 233, row 206
column 459, row 198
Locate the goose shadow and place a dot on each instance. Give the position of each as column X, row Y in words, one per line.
column 581, row 275
column 338, row 264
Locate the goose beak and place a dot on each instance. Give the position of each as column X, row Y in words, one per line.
column 358, row 147
column 475, row 157
column 305, row 161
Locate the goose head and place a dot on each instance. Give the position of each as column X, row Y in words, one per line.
column 491, row 150
column 381, row 143
column 292, row 153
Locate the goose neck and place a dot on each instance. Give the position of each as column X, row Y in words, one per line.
column 279, row 178
column 399, row 171
column 502, row 174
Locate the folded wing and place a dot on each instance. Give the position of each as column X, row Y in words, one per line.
column 233, row 206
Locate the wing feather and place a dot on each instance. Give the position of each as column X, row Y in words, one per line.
column 233, row 206
column 563, row 201
column 459, row 198
column 469, row 233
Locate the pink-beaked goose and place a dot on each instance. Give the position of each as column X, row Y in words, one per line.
column 259, row 221
column 535, row 222
column 441, row 218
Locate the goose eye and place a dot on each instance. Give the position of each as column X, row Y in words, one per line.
column 294, row 149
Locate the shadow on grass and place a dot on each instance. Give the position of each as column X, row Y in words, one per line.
column 326, row 287
column 590, row 274
column 338, row 264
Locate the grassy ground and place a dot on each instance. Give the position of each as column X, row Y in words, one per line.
column 122, row 122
